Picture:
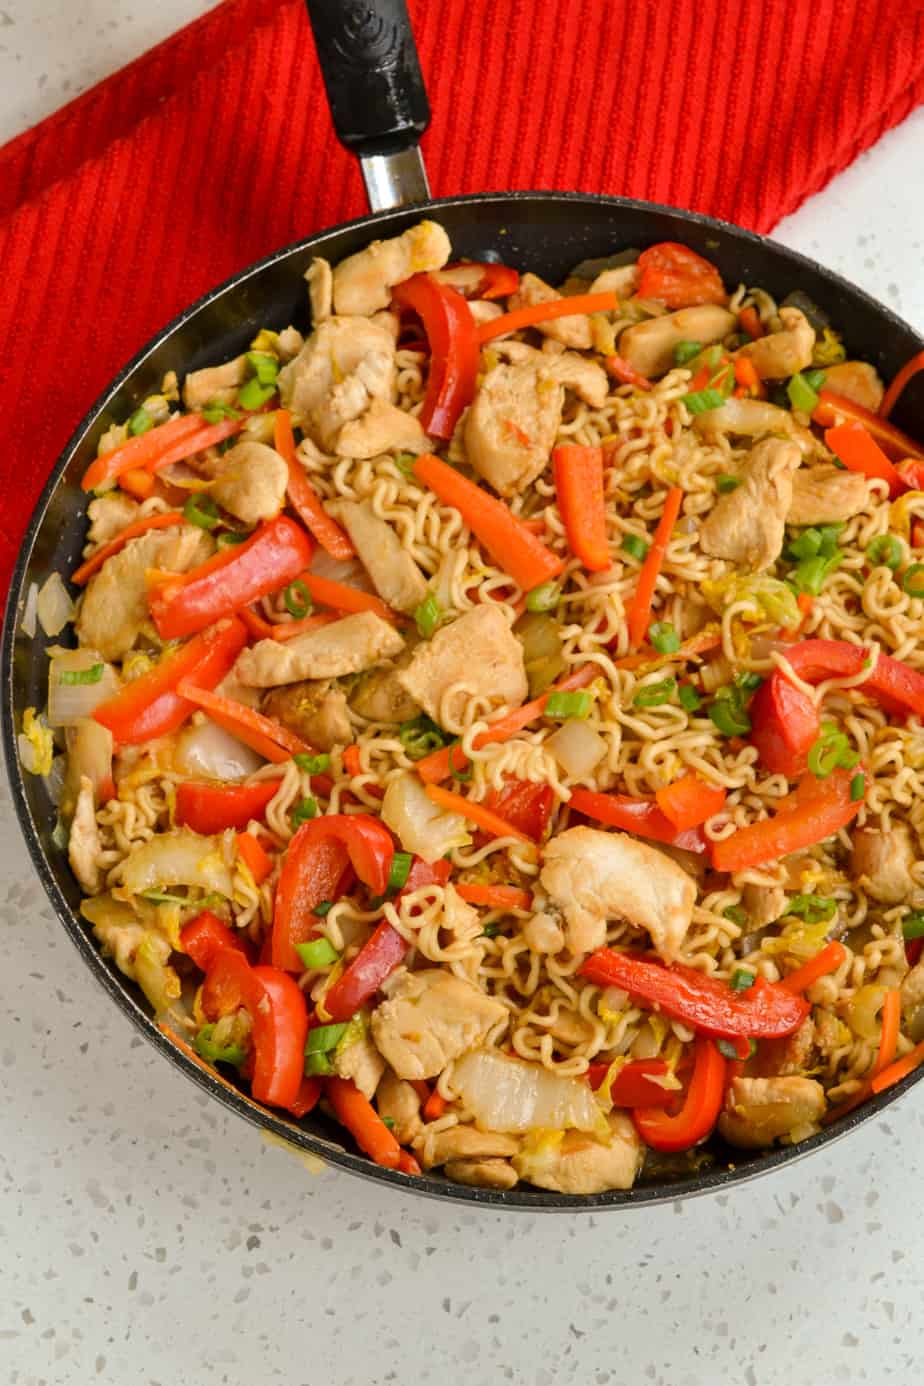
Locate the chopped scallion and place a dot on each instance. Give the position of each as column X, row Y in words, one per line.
column 913, row 924
column 201, row 510
column 741, row 979
column 737, row 914
column 884, row 551
column 801, row 395
column 265, row 368
column 252, row 395
column 323, row 908
column 654, row 694
column 298, row 599
column 420, row 736
column 913, row 580
column 490, row 931
column 404, row 461
column 635, row 546
column 857, row 788
column 727, row 1048
column 814, row 379
column 71, row 677
column 700, row 401
column 728, row 713
column 312, row 765
column 318, row 952
column 725, row 483
column 545, row 597
column 216, row 411
column 303, row 812
column 323, row 1038
column 428, row 615
column 400, row 870
column 206, row 1048
column 664, row 637
column 140, row 422
column 685, row 351
column 830, row 752
column 688, row 698
column 318, row 1066
column 562, row 706
column 814, row 909
column 229, row 538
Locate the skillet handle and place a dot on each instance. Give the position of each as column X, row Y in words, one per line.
column 376, row 93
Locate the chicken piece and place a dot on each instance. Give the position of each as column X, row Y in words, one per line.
column 84, row 847
column 748, row 525
column 379, row 694
column 382, row 428
column 349, row 399
column 315, row 711
column 428, row 1019
column 758, row 1111
column 396, row 576
column 621, row 280
column 109, row 515
column 856, row 380
column 344, row 647
column 463, row 1143
column 330, row 355
column 511, row 426
column 881, row 862
column 583, row 377
column 575, row 1163
column 570, row 331
column 362, row 1062
column 593, row 876
column 543, row 934
column 289, row 343
column 778, row 1058
column 649, row 346
column 215, row 384
column 483, row 1174
column 115, row 606
column 478, row 650
column 484, row 310
column 363, row 282
column 781, row 354
column 763, row 904
column 912, row 990
column 250, row 482
column 396, row 1101
column 320, row 279
column 825, row 494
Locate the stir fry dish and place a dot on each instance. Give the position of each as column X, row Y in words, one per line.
column 497, row 718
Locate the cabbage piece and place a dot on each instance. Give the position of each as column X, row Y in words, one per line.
column 767, row 597
column 514, row 1096
column 141, row 953
column 419, row 824
column 36, row 744
column 207, row 751
column 177, row 858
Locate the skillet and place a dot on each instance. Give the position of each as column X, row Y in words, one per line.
column 380, row 110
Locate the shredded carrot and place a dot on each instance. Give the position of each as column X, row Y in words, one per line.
column 138, row 483
column 258, row 626
column 638, row 612
column 489, row 822
column 495, row 897
column 574, row 306
column 435, row 1106
column 140, row 451
column 909, row 369
column 291, row 630
column 363, row 1122
column 343, row 598
column 351, row 761
column 259, row 863
column 747, row 378
column 749, row 320
column 535, row 524
column 264, row 735
column 97, row 559
column 891, row 1025
column 304, row 499
column 621, row 370
column 709, row 638
column 828, row 960
column 899, row 1070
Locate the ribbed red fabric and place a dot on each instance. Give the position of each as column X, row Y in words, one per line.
column 216, row 147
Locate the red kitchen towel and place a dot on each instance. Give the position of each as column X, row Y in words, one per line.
column 216, row 147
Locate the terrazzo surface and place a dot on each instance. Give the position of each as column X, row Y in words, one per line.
column 147, row 1238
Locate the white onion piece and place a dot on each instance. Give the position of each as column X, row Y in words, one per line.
column 614, row 999
column 54, row 782
column 89, row 754
column 577, row 748
column 28, row 755
column 418, row 823
column 349, row 571
column 55, row 607
column 749, row 417
column 70, row 702
column 177, row 858
column 29, row 612
column 210, row 752
column 510, row 1095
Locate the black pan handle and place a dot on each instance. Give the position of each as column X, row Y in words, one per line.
column 376, row 92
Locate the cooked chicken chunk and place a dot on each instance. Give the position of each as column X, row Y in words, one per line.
column 478, row 650
column 250, row 482
column 621, row 280
column 428, row 1019
column 573, row 1162
column 571, row 331
column 320, row 279
column 314, row 710
column 763, row 904
column 380, row 696
column 115, row 605
column 649, row 346
column 781, row 354
column 881, row 862
column 362, row 1062
column 363, row 282
column 483, row 1174
column 343, row 647
column 856, row 380
column 396, row 1100
column 215, row 384
column 777, row 1058
column 350, row 398
column 758, row 1111
column 463, row 1143
column 329, row 357
column 912, row 990
column 593, row 876
column 382, row 428
column 109, row 515
column 825, row 494
column 543, row 933
column 583, row 377
column 748, row 525
column 510, row 429
column 84, row 847
column 397, row 578
column 484, row 310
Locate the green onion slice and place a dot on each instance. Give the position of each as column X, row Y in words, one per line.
column 634, row 545
column 913, row 924
column 298, row 599
column 801, row 395
column 728, row 714
column 830, row 752
column 428, row 615
column 323, row 1038
column 216, row 411
column 545, row 597
column 742, row 979
column 323, row 908
column 252, row 395
column 404, row 461
column 814, row 909
column 814, row 379
column 420, row 736
column 265, row 368
column 700, row 401
column 318, row 952
column 654, row 694
column 857, row 788
column 737, row 914
column 664, row 637
column 685, row 351
column 400, row 870
column 206, row 1048
column 312, row 765
column 201, row 510
column 562, row 706
column 725, row 483
column 688, row 698
column 229, row 538
column 140, row 422
column 304, row 811
column 884, row 551
column 318, row 1065
column 70, row 677
column 913, row 580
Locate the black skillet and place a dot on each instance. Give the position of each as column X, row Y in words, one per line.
column 380, row 110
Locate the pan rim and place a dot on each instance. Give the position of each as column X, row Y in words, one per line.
column 714, row 1180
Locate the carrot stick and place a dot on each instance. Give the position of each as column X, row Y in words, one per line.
column 267, row 737
column 578, row 473
column 407, row 1164
column 495, row 897
column 749, row 320
column 303, row 498
column 208, row 437
column 891, row 1025
column 475, row 813
column 351, row 761
column 853, row 445
column 512, row 546
column 620, row 370
column 290, row 630
column 258, row 626
column 638, row 612
column 422, row 1089
column 260, row 863
column 833, row 408
column 343, row 598
column 434, row 1107
column 131, row 531
column 909, row 369
column 574, row 306
column 138, row 483
column 140, row 451
column 828, row 960
column 363, row 1122
column 899, row 1070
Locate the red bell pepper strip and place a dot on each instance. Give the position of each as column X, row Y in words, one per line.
column 574, row 305
column 701, row 1106
column 258, row 861
column 279, row 1019
column 362, row 978
column 895, row 685
column 313, row 868
column 689, row 801
column 303, row 498
column 97, row 559
column 141, row 451
column 152, row 705
column 859, row 452
column 423, row 873
column 203, row 938
column 640, row 816
column 620, row 370
column 814, row 811
column 829, row 959
column 523, row 804
column 677, row 277
column 475, row 279
column 363, row 1122
column 632, row 1086
column 453, row 337
column 785, row 724
column 833, row 408
column 765, row 1011
column 307, row 1097
column 273, row 555
column 512, row 546
column 211, row 808
column 908, row 370
column 578, row 473
column 638, row 609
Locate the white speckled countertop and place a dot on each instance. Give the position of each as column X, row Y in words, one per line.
column 149, row 1239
